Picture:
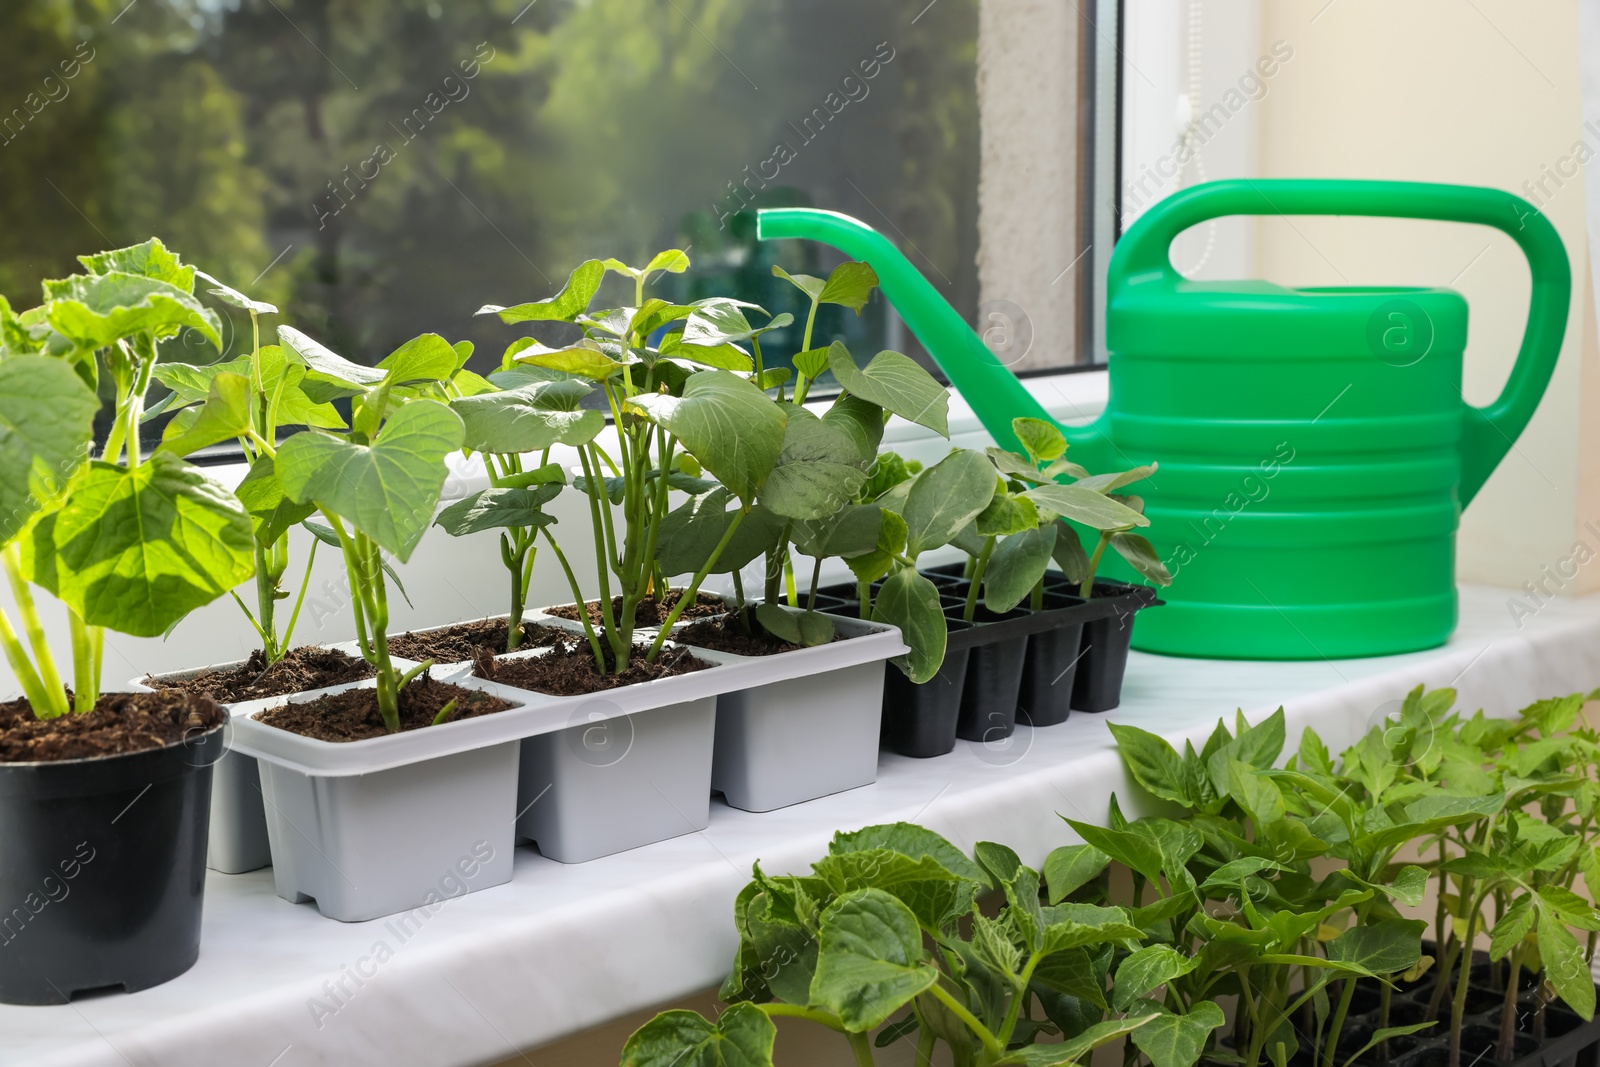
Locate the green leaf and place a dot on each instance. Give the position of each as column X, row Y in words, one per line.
column 1409, row 885
column 812, row 363
column 530, row 418
column 150, row 259
column 911, row 602
column 815, row 475
column 807, row 284
column 1512, row 927
column 1177, row 1040
column 1565, row 967
column 1387, row 946
column 936, row 895
column 1016, row 566
column 1141, row 556
column 742, row 1036
column 262, row 496
column 1110, row 483
column 725, row 422
column 1380, row 1036
column 689, row 533
column 225, row 416
column 429, row 358
column 1256, row 793
column 136, row 549
column 908, row 839
column 896, row 383
column 1074, row 1049
column 1006, row 514
column 46, row 425
column 227, row 294
column 1069, row 554
column 1042, row 440
column 871, row 961
column 490, row 509
column 98, row 310
column 773, row 377
column 850, row 285
column 1153, row 762
column 862, row 422
column 1147, row 970
column 565, row 306
column 387, row 489
column 852, row 531
column 806, row 628
column 324, row 361
column 946, row 497
column 1071, row 867
column 873, row 565
column 1129, row 849
column 586, row 360
column 1086, row 506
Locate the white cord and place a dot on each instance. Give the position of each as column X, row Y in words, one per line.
column 1196, row 52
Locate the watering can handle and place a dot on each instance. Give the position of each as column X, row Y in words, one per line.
column 1142, row 258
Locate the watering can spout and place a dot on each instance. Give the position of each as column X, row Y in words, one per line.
column 994, row 393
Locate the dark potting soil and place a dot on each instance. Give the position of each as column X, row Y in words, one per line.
column 353, row 714
column 569, row 669
column 649, row 612
column 301, row 669
column 464, row 640
column 724, row 635
column 120, row 723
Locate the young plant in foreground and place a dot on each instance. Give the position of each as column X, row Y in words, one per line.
column 376, row 486
column 887, row 925
column 249, row 399
column 126, row 542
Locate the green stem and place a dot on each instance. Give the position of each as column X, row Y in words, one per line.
column 991, row 1044
column 925, row 1043
column 797, row 1011
column 1086, row 587
column 690, row 594
column 602, row 560
column 1346, row 995
column 45, row 705
column 49, row 677
column 816, row 577
column 578, row 598
column 971, row 610
column 305, row 583
column 1019, row 996
column 388, row 682
column 266, row 601
column 357, row 603
column 862, row 1049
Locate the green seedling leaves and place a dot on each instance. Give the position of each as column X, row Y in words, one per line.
column 850, row 532
column 908, row 839
column 1147, row 970
column 1006, row 514
column 529, row 418
column 572, row 301
column 806, row 283
column 150, row 259
column 816, row 472
column 1141, row 556
column 1091, row 508
column 937, row 896
column 1565, row 965
column 911, row 602
column 387, row 489
column 225, row 416
column 862, row 422
column 135, row 550
column 324, row 361
column 689, row 534
column 895, row 383
column 429, row 358
column 672, row 261
column 585, row 360
column 490, row 509
column 262, row 495
column 873, row 565
column 1110, row 483
column 1076, row 1049
column 725, row 422
column 1388, row 946
column 227, row 294
column 870, row 962
column 1071, row 867
column 1154, row 764
column 1016, row 566
column 946, row 497
column 1042, row 440
column 805, row 628
column 46, row 424
column 812, row 363
column 850, row 285
column 742, row 1036
column 1172, row 1040
column 98, row 310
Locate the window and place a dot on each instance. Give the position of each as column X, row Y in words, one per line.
column 382, row 168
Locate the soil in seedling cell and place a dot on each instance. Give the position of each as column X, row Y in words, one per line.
column 649, row 612
column 724, row 635
column 570, row 670
column 453, row 644
column 119, row 724
column 300, row 670
column 353, row 714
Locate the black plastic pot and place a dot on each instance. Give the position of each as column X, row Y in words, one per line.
column 1106, row 634
column 920, row 720
column 994, row 673
column 104, row 870
column 1048, row 672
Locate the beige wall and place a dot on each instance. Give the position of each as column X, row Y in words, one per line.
column 1483, row 92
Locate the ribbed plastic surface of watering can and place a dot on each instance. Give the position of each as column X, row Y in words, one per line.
column 1315, row 451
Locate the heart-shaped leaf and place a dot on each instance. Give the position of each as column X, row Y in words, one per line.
column 585, row 360
column 896, row 383
column 137, row 549
column 389, row 488
column 429, row 358
column 946, row 497
column 225, row 416
column 490, row 509
column 689, row 534
column 530, row 418
column 850, row 285
column 149, row 259
column 1042, row 440
column 1177, row 1040
column 911, row 602
column 261, row 493
column 815, row 475
column 807, row 284
column 725, row 422
column 870, row 960
column 742, row 1036
column 101, row 309
column 812, row 363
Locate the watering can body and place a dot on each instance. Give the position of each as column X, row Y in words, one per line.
column 1315, row 451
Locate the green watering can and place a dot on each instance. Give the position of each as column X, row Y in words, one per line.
column 1314, row 445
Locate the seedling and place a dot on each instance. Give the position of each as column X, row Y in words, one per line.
column 377, row 485
column 126, row 541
